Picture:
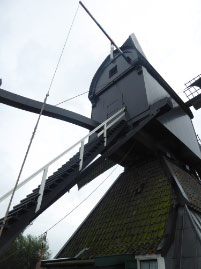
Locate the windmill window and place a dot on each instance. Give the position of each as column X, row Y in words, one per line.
column 113, row 71
column 149, row 264
column 150, row 261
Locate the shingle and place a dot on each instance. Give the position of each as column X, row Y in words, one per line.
column 131, row 218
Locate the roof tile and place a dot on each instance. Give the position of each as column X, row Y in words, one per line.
column 131, row 218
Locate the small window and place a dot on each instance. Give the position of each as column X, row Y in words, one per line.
column 113, row 71
column 149, row 264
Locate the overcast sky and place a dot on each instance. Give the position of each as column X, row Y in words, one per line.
column 32, row 34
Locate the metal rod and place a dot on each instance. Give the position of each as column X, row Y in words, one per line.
column 111, row 40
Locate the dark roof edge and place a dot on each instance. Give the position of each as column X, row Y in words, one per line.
column 189, row 213
column 179, row 187
column 169, row 233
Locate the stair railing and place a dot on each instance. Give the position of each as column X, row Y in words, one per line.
column 104, row 126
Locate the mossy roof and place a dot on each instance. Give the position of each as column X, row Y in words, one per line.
column 131, row 218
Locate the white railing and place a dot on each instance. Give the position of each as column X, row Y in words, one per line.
column 105, row 125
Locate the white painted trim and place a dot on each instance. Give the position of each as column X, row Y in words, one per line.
column 41, row 190
column 160, row 260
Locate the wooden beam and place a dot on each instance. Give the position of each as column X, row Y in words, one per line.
column 34, row 106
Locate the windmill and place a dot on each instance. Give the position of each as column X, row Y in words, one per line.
column 131, row 103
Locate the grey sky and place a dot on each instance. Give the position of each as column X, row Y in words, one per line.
column 32, row 36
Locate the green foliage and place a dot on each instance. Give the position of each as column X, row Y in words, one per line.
column 24, row 253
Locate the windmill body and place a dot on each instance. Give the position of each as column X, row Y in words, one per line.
column 140, row 88
column 154, row 140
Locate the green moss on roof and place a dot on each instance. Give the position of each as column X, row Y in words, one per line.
column 131, row 218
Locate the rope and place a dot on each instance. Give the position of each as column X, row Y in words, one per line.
column 97, row 88
column 22, row 166
column 71, row 98
column 35, row 128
